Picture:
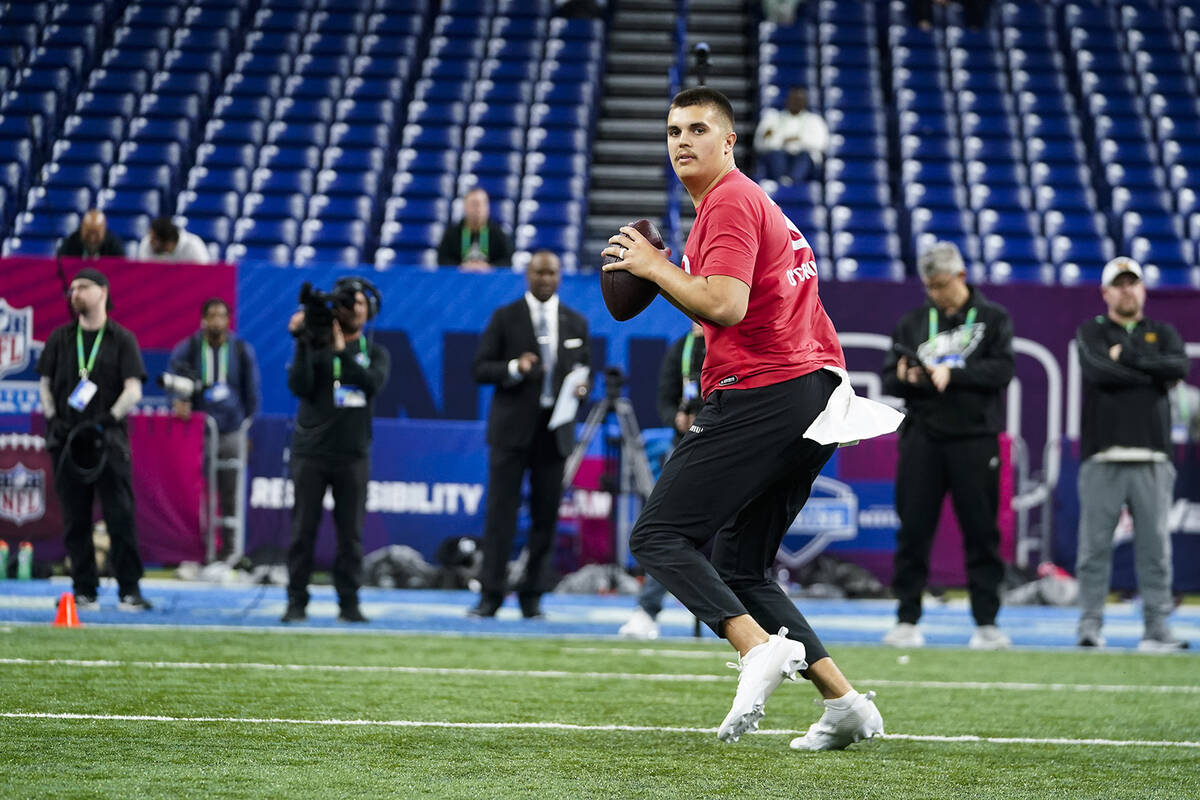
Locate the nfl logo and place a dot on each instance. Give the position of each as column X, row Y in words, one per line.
column 22, row 494
column 16, row 331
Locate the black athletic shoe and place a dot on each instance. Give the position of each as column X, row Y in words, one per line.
column 351, row 614
column 294, row 613
column 132, row 602
column 487, row 607
column 86, row 602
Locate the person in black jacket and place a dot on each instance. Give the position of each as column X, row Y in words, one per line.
column 950, row 361
column 527, row 350
column 91, row 377
column 1129, row 364
column 476, row 243
column 331, row 445
column 93, row 239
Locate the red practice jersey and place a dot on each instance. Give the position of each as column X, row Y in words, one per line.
column 741, row 233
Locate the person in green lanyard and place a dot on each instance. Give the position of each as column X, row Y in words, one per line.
column 227, row 390
column 476, row 243
column 1129, row 364
column 91, row 377
column 950, row 361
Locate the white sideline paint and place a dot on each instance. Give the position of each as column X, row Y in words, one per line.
column 520, row 673
column 567, row 726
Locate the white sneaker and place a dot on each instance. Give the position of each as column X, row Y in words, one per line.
column 989, row 637
column 905, row 634
column 763, row 669
column 839, row 727
column 1166, row 644
column 640, row 626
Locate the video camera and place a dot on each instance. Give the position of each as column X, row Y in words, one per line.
column 320, row 306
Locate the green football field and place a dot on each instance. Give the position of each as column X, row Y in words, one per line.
column 112, row 712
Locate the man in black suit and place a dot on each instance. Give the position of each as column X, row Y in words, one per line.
column 527, row 350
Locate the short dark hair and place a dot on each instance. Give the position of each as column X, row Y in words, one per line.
column 213, row 301
column 164, row 229
column 704, row 96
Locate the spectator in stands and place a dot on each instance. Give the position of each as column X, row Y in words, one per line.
column 527, row 350
column 975, row 13
column 1129, row 364
column 678, row 403
column 951, row 360
column 93, row 239
column 91, row 378
column 791, row 143
column 476, row 243
column 225, row 372
column 165, row 242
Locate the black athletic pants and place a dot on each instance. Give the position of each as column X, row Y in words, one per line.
column 741, row 474
column 76, row 498
column 348, row 480
column 506, row 469
column 969, row 468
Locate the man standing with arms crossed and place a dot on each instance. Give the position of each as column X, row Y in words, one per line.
column 777, row 403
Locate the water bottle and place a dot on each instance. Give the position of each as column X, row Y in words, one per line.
column 25, row 561
column 3, row 560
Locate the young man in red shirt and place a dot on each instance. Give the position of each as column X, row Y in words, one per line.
column 777, row 403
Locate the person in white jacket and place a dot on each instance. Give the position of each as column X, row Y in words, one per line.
column 166, row 242
column 791, row 142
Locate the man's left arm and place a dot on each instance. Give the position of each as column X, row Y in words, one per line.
column 992, row 367
column 1167, row 363
column 133, row 372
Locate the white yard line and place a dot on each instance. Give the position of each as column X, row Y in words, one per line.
column 566, row 726
column 1011, row 686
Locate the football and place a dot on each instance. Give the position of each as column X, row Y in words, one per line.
column 625, row 294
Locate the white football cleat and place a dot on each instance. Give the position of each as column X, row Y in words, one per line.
column 762, row 670
column 639, row 626
column 840, row 727
column 905, row 634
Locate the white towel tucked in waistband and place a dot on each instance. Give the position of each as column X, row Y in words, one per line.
column 848, row 418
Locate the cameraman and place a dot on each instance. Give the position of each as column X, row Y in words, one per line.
column 226, row 387
column 678, row 402
column 336, row 384
column 92, row 376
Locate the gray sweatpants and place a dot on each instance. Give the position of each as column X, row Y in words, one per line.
column 1147, row 488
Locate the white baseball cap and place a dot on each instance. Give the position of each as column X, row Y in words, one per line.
column 1117, row 267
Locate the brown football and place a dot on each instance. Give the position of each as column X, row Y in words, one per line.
column 625, row 294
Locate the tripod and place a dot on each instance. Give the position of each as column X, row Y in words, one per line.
column 634, row 478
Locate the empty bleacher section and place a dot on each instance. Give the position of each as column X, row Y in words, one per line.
column 295, row 131
column 347, row 131
column 1054, row 138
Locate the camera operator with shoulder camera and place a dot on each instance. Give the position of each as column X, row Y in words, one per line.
column 215, row 372
column 336, row 373
column 91, row 377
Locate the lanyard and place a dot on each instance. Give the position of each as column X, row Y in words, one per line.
column 685, row 365
column 86, row 368
column 337, row 362
column 483, row 241
column 222, row 363
column 966, row 335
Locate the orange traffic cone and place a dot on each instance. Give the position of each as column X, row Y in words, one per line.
column 67, row 616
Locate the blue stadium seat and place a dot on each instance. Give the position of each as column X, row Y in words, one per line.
column 491, row 163
column 150, row 153
column 265, row 231
column 928, row 148
column 336, row 254
column 121, row 58
column 869, row 269
column 1072, row 198
column 297, row 134
column 1144, row 200
column 1168, row 253
column 941, row 222
column 68, row 151
column 550, row 212
column 989, row 126
column 304, row 109
column 343, row 207
column 227, row 131
column 205, row 179
column 967, row 244
column 872, row 169
column 53, row 200
column 409, row 210
column 1058, row 222
column 869, row 194
column 407, row 184
column 913, row 170
column 112, row 201
column 498, row 187
column 203, row 205
column 129, row 228
column 1006, row 223
column 869, row 246
column 555, row 164
column 411, row 235
column 1007, row 198
column 270, row 181
column 142, row 129
column 286, row 158
column 1013, row 247
column 341, row 233
column 540, row 187
column 107, row 103
column 273, row 205
column 935, row 195
column 309, row 65
column 224, row 155
column 181, row 62
column 1148, row 177
column 991, row 151
column 277, row 254
column 1002, row 272
column 859, row 219
column 1065, row 176
column 362, row 159
column 1080, row 250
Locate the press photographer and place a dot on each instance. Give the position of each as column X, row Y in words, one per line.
column 91, row 377
column 215, row 372
column 336, row 373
